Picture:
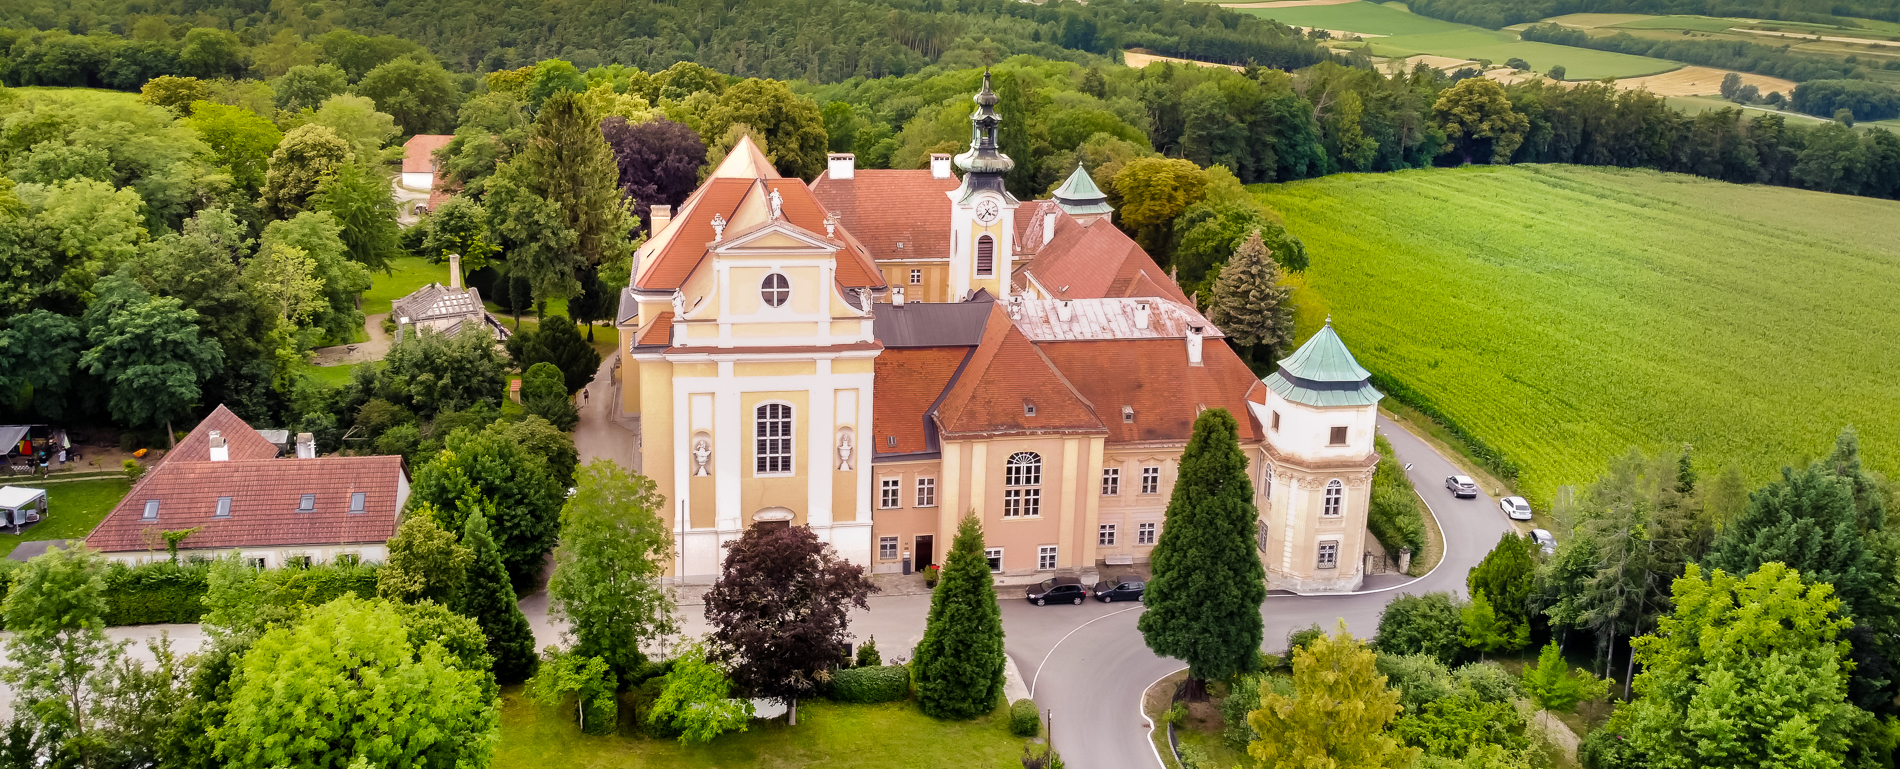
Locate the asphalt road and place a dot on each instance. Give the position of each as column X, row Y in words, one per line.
column 1089, row 667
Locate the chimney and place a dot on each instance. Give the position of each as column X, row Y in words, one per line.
column 1048, row 226
column 940, row 165
column 840, row 165
column 1065, row 311
column 219, row 451
column 661, row 216
column 897, row 296
column 1141, row 315
column 455, row 271
column 1194, row 345
column 306, row 446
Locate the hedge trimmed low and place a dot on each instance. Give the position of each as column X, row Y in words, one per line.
column 1024, row 719
column 885, row 683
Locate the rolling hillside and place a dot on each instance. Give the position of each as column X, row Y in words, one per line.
column 1564, row 314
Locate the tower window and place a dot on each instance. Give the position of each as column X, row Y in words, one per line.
column 1335, row 494
column 1276, row 421
column 1339, row 436
column 772, row 433
column 985, row 256
column 1328, row 555
column 1022, row 485
column 775, row 289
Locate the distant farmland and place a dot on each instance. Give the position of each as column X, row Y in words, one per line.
column 1564, row 314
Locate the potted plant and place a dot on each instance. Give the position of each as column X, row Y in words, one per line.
column 930, row 575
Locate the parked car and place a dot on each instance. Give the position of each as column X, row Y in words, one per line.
column 1544, row 540
column 1119, row 589
column 1516, row 508
column 1461, row 486
column 1057, row 590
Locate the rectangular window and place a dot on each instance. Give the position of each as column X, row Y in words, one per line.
column 1276, row 421
column 1111, row 481
column 1022, row 503
column 259, row 563
column 1151, row 480
column 1339, row 436
column 307, row 503
column 1105, row 535
column 1144, row 534
column 348, row 559
column 887, row 548
column 1328, row 555
column 926, row 492
column 916, row 277
column 224, row 507
column 151, row 509
column 297, row 562
column 772, row 432
column 357, row 499
column 1046, row 558
column 888, row 491
column 995, row 556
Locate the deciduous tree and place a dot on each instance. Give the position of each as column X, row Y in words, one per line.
column 174, row 93
column 697, row 701
column 486, row 472
column 959, row 664
column 1431, row 624
column 558, row 204
column 306, row 86
column 659, row 162
column 153, row 355
column 306, row 156
column 1154, row 191
column 358, row 196
column 241, row 142
column 414, row 90
column 426, row 563
column 607, row 569
column 1337, row 716
column 59, row 655
column 1479, row 120
column 430, row 372
column 780, row 609
column 357, row 122
column 790, row 123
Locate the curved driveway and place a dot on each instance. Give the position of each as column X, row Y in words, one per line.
column 1088, row 665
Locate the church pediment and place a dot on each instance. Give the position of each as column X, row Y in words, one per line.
column 777, row 236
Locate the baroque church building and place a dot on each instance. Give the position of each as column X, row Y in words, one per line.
column 881, row 352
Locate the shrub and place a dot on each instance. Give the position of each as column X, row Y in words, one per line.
column 930, row 575
column 1420, row 679
column 1422, row 624
column 1394, row 517
column 867, row 654
column 1298, row 639
column 134, row 470
column 1195, row 757
column 1024, row 719
column 865, row 685
column 155, row 593
column 1517, row 64
column 1490, row 681
column 603, row 712
column 1242, row 699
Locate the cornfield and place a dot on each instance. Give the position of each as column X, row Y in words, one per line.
column 1564, row 314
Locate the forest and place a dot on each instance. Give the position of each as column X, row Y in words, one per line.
column 1495, row 14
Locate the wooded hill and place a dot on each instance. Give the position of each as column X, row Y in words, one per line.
column 1503, row 13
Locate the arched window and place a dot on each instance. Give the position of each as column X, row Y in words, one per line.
column 1266, row 481
column 775, row 289
column 772, row 431
column 1022, row 485
column 1335, row 496
column 985, row 255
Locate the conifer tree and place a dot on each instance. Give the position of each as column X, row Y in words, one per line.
column 1555, row 687
column 1486, row 631
column 1808, row 521
column 1506, row 576
column 960, row 662
column 1204, row 599
column 558, row 204
column 1250, row 306
column 489, row 599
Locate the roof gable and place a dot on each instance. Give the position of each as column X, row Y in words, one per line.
column 1003, row 380
column 1087, row 261
column 240, row 439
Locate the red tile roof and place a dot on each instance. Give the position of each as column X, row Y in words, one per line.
column 692, row 232
column 1098, row 260
column 909, row 381
column 660, row 332
column 1004, row 375
column 418, row 153
column 802, row 209
column 886, row 207
column 1154, row 377
column 243, row 441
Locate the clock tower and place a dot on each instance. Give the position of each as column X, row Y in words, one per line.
column 983, row 213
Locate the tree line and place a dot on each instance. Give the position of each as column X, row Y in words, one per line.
column 1775, row 61
column 1497, row 14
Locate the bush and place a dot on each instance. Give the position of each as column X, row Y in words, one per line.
column 133, row 470
column 155, row 593
column 1298, row 639
column 603, row 712
column 1490, row 681
column 1024, row 719
column 1242, row 698
column 1420, row 679
column 866, row 685
column 1394, row 517
column 1422, row 624
column 867, row 654
column 1517, row 64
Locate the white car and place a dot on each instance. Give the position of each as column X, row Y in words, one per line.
column 1544, row 540
column 1516, row 508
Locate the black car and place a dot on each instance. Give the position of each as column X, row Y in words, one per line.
column 1120, row 589
column 1057, row 590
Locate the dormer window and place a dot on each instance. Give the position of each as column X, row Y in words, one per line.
column 307, row 503
column 775, row 290
column 1029, row 409
column 151, row 510
column 1128, row 415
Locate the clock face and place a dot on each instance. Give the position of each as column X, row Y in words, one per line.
column 987, row 210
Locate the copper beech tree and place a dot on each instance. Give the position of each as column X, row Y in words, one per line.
column 780, row 610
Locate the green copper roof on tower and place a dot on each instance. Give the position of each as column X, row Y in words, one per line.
column 1323, row 373
column 1080, row 197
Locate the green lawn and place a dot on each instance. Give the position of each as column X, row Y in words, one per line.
column 1406, row 34
column 407, row 274
column 73, row 508
column 828, row 735
column 1697, row 23
column 330, row 376
column 1565, row 314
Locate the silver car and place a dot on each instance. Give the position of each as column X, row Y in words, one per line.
column 1516, row 508
column 1461, row 486
column 1544, row 540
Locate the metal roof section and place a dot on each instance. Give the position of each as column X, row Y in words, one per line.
column 1323, row 373
column 929, row 324
column 1060, row 320
column 1080, row 197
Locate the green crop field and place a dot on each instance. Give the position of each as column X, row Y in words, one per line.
column 1565, row 314
column 1405, row 34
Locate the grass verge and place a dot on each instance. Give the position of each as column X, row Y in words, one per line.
column 405, row 276
column 73, row 509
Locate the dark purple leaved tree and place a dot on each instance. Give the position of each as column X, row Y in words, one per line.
column 780, row 609
column 659, row 162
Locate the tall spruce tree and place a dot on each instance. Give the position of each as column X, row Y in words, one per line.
column 558, row 205
column 960, row 662
column 1506, row 576
column 1204, row 599
column 489, row 599
column 1808, row 521
column 1250, row 306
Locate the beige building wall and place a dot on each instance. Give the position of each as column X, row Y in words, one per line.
column 1309, row 545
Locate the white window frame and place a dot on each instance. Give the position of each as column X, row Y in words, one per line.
column 1266, row 481
column 359, row 502
column 926, row 492
column 1146, row 533
column 1327, row 555
column 761, row 458
column 768, row 291
column 1046, row 558
column 1151, row 479
column 1333, row 503
column 890, row 493
column 916, row 277
column 994, row 556
column 1105, row 535
column 1111, row 481
column 887, row 548
column 1022, row 485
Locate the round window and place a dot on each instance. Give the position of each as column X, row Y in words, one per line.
column 776, row 290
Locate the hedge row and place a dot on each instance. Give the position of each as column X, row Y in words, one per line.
column 885, row 683
column 171, row 593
